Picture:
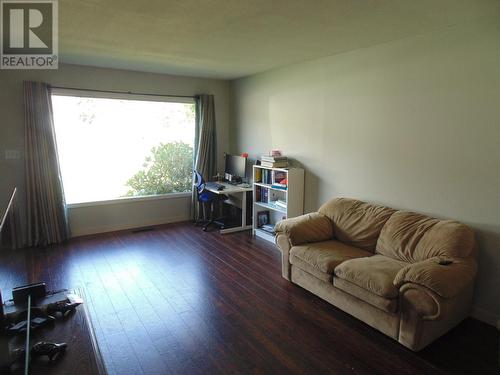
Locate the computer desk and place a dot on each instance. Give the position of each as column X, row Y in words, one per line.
column 237, row 191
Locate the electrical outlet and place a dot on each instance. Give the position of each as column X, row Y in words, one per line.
column 12, row 154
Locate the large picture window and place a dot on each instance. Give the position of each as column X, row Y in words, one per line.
column 123, row 146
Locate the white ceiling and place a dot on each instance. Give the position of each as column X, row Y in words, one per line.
column 234, row 38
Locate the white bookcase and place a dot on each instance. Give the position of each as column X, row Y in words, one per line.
column 267, row 191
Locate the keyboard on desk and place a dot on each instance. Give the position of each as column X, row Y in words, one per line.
column 214, row 186
column 244, row 185
column 218, row 186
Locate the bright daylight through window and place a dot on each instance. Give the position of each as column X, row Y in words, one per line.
column 111, row 148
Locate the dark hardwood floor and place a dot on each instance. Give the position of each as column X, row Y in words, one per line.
column 179, row 300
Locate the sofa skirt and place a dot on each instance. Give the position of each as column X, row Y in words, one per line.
column 385, row 322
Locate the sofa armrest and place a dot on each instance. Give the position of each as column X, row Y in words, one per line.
column 446, row 281
column 311, row 227
column 425, row 315
column 420, row 300
column 283, row 243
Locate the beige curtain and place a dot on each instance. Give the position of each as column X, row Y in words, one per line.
column 45, row 206
column 205, row 143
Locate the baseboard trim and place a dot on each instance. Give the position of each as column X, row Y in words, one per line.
column 485, row 316
column 113, row 228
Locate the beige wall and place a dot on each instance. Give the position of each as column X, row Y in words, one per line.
column 85, row 220
column 413, row 124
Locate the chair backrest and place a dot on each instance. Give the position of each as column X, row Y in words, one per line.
column 199, row 182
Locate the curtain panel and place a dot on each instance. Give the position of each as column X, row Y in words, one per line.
column 45, row 204
column 205, row 143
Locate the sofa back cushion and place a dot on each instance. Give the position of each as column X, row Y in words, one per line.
column 413, row 237
column 356, row 223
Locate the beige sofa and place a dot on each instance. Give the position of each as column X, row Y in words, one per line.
column 383, row 266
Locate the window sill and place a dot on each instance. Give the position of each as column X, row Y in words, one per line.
column 126, row 200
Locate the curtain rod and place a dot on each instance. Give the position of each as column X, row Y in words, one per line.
column 124, row 92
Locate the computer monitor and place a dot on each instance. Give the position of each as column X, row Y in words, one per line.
column 235, row 167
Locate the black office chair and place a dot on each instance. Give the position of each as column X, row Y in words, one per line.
column 205, row 198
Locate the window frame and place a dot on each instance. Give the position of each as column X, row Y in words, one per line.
column 84, row 93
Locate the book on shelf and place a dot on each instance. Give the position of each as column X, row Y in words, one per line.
column 280, row 180
column 273, row 159
column 280, row 203
column 265, row 195
column 279, row 186
column 258, row 194
column 278, row 164
column 269, row 228
column 258, row 175
column 267, row 177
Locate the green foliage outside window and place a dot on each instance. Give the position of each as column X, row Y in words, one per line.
column 168, row 169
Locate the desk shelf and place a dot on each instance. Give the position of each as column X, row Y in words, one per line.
column 264, row 194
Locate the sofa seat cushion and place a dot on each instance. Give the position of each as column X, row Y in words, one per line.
column 375, row 274
column 323, row 276
column 326, row 255
column 386, row 304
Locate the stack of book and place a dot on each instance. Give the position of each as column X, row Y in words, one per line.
column 280, row 180
column 269, row 228
column 274, row 161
